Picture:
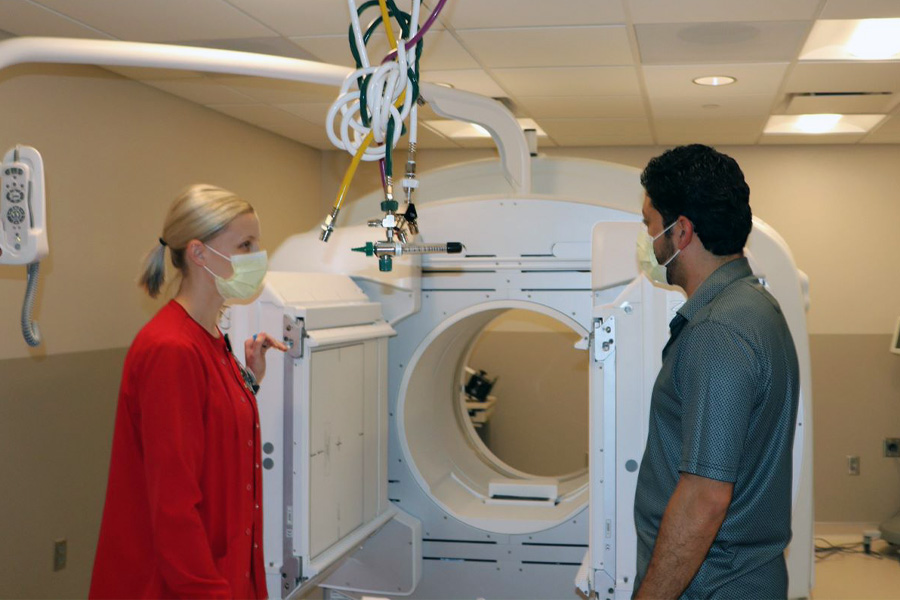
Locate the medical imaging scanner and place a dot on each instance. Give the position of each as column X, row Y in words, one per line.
column 374, row 480
column 469, row 525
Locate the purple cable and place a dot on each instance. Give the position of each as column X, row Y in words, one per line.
column 383, row 178
column 415, row 39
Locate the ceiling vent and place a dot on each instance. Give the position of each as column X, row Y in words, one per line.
column 844, row 103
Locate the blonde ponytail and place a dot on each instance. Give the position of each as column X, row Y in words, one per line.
column 153, row 275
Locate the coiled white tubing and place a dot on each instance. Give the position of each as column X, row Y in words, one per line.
column 387, row 83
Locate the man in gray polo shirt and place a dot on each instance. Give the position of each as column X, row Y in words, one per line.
column 713, row 500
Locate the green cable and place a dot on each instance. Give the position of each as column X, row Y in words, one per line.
column 388, row 155
column 403, row 19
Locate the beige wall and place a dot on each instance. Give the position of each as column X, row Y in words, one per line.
column 856, row 388
column 837, row 207
column 115, row 154
column 541, row 391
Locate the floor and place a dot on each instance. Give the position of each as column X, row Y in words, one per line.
column 852, row 574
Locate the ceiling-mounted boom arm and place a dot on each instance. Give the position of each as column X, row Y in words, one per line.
column 456, row 104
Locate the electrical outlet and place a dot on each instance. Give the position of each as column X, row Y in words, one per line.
column 892, row 447
column 852, row 465
column 59, row 554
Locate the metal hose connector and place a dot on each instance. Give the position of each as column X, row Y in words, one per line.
column 328, row 225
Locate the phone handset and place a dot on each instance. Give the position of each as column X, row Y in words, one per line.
column 23, row 224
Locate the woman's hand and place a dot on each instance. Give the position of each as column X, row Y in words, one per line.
column 255, row 352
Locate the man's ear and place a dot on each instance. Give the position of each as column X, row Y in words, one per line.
column 684, row 232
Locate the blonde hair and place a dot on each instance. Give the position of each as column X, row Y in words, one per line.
column 198, row 213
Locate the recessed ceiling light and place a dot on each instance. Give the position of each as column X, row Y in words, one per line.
column 849, row 39
column 875, row 39
column 818, row 124
column 822, row 123
column 715, row 80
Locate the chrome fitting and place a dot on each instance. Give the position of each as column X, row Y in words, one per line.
column 328, row 226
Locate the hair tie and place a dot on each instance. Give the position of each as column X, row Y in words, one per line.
column 163, row 242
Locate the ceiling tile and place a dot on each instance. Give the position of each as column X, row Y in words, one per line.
column 202, row 90
column 277, row 91
column 21, row 17
column 306, row 17
column 583, row 107
column 440, row 50
column 549, row 46
column 705, row 11
column 473, row 14
column 428, row 138
column 314, row 112
column 877, row 104
column 752, row 80
column 844, row 77
column 334, row 49
column 677, row 43
column 276, row 46
column 569, row 81
column 741, row 130
column 470, row 80
column 861, row 9
column 277, row 121
column 799, row 139
column 693, row 107
column 582, row 140
column 710, row 138
column 162, row 20
column 565, row 131
column 887, row 132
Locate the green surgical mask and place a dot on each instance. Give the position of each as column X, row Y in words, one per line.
column 647, row 257
column 249, row 270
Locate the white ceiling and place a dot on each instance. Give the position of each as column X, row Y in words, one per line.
column 590, row 72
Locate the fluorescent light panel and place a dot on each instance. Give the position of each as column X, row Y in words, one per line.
column 861, row 39
column 463, row 130
column 821, row 124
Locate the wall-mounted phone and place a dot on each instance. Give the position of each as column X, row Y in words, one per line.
column 23, row 223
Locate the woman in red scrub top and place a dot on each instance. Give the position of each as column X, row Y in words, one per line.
column 183, row 516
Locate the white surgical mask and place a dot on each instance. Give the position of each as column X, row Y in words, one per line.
column 647, row 257
column 249, row 270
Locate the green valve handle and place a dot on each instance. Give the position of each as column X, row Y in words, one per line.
column 369, row 249
column 384, row 264
column 387, row 205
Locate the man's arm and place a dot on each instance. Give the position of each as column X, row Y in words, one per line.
column 689, row 525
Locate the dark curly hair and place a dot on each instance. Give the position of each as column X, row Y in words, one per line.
column 708, row 188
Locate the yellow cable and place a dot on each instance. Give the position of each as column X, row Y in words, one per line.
column 351, row 170
column 386, row 19
column 367, row 141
